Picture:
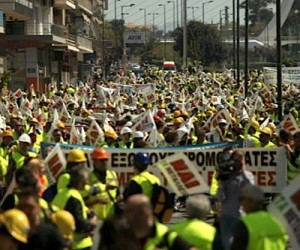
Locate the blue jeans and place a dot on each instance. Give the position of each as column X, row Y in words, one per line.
column 227, row 224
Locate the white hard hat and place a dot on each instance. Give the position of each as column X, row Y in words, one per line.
column 128, row 124
column 222, row 121
column 125, row 130
column 25, row 138
column 138, row 134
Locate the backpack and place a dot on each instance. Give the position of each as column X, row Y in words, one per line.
column 162, row 204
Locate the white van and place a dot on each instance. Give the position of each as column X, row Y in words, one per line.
column 169, row 66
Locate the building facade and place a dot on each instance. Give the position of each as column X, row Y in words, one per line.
column 44, row 41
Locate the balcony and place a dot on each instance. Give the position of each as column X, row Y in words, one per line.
column 86, row 6
column 84, row 44
column 17, row 9
column 65, row 4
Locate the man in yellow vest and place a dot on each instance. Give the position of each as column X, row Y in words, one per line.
column 18, row 158
column 150, row 233
column 258, row 230
column 107, row 180
column 125, row 135
column 194, row 230
column 143, row 181
column 6, row 149
column 265, row 138
column 70, row 199
column 294, row 159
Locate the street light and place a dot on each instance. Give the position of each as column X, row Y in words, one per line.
column 125, row 6
column 193, row 11
column 153, row 21
column 203, row 5
column 173, row 13
column 165, row 29
column 145, row 18
column 116, row 8
column 203, row 20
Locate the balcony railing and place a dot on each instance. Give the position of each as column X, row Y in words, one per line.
column 86, row 5
column 17, row 9
column 71, row 39
column 84, row 43
column 65, row 4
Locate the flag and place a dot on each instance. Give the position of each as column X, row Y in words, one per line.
column 55, row 163
column 289, row 124
column 155, row 139
column 74, row 135
column 144, row 122
column 18, row 93
column 96, row 134
column 64, row 115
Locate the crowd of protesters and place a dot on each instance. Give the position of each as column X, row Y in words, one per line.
column 181, row 110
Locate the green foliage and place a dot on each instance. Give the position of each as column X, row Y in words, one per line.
column 5, row 79
column 259, row 11
column 196, row 42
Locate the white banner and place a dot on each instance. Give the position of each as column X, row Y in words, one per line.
column 286, row 208
column 182, row 175
column 289, row 75
column 269, row 165
column 134, row 37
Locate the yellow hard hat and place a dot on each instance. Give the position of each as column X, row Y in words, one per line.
column 111, row 133
column 8, row 133
column 178, row 120
column 255, row 124
column 76, row 155
column 267, row 131
column 16, row 223
column 60, row 125
column 177, row 113
column 64, row 222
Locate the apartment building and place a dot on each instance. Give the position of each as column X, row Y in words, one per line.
column 45, row 40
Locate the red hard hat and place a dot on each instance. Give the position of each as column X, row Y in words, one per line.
column 99, row 154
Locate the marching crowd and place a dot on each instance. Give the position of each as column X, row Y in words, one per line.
column 158, row 110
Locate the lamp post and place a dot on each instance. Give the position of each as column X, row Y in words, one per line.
column 165, row 30
column 125, row 6
column 173, row 13
column 203, row 11
column 233, row 39
column 246, row 46
column 153, row 21
column 177, row 10
column 193, row 11
column 124, row 41
column 203, row 20
column 279, row 66
column 145, row 18
column 221, row 23
column 116, row 8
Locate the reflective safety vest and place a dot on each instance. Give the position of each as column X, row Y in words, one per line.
column 162, row 239
column 269, row 145
column 196, row 232
column 19, row 158
column 146, row 181
column 265, row 233
column 293, row 170
column 121, row 144
column 105, row 210
column 81, row 241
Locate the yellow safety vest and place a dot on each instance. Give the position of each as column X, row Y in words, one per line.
column 19, row 158
column 154, row 242
column 60, row 201
column 292, row 171
column 146, row 181
column 105, row 210
column 265, row 233
column 123, row 145
column 195, row 232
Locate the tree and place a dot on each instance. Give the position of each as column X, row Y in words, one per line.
column 259, row 11
column 196, row 42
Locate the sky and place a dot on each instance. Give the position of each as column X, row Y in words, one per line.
column 212, row 11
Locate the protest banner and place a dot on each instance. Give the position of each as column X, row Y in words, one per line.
column 55, row 163
column 286, row 208
column 289, row 75
column 267, row 164
column 182, row 175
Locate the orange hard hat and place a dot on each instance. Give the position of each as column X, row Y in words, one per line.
column 99, row 154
